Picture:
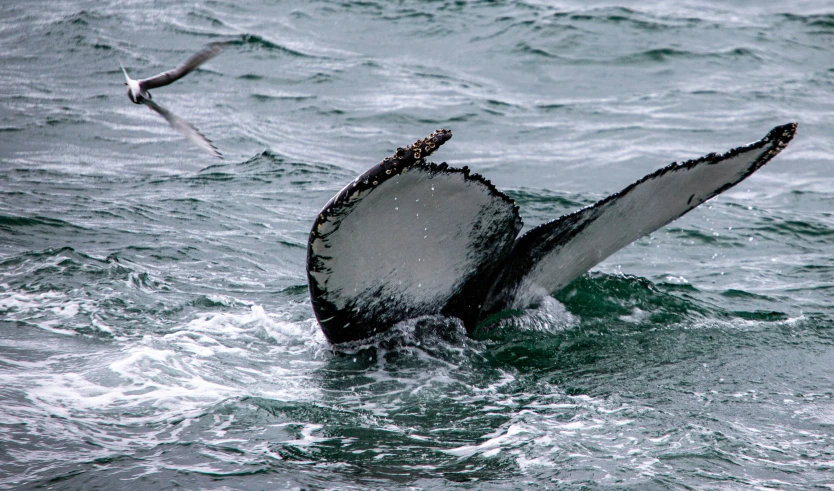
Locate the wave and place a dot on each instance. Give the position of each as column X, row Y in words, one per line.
column 663, row 55
column 272, row 164
column 823, row 21
column 10, row 223
column 259, row 42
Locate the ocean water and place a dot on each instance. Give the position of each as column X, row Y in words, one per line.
column 155, row 326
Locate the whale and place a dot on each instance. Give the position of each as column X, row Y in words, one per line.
column 410, row 238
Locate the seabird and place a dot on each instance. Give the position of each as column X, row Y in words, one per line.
column 137, row 92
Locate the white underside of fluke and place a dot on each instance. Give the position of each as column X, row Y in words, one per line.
column 410, row 243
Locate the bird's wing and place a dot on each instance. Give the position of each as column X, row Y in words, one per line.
column 183, row 127
column 552, row 255
column 170, row 76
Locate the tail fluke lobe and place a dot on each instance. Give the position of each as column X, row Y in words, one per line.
column 552, row 255
column 406, row 239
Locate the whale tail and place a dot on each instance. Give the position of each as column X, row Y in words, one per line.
column 409, row 238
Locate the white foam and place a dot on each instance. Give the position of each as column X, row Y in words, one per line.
column 165, row 378
column 515, row 433
column 49, row 310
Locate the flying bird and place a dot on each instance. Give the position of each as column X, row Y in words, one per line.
column 137, row 92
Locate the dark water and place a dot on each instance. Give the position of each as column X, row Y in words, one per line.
column 155, row 328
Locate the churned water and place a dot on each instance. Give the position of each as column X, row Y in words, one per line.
column 155, row 326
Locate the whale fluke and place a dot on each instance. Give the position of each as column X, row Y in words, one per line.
column 409, row 238
column 548, row 257
column 405, row 239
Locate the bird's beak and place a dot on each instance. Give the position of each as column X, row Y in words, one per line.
column 127, row 79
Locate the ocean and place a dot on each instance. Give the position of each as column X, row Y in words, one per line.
column 156, row 330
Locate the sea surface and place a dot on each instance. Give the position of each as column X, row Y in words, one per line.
column 155, row 326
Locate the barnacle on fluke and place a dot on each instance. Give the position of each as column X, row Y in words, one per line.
column 409, row 238
column 399, row 162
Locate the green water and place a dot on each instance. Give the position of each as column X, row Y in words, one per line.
column 155, row 326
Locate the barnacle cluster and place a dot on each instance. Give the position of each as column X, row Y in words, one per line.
column 398, row 163
column 416, row 152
